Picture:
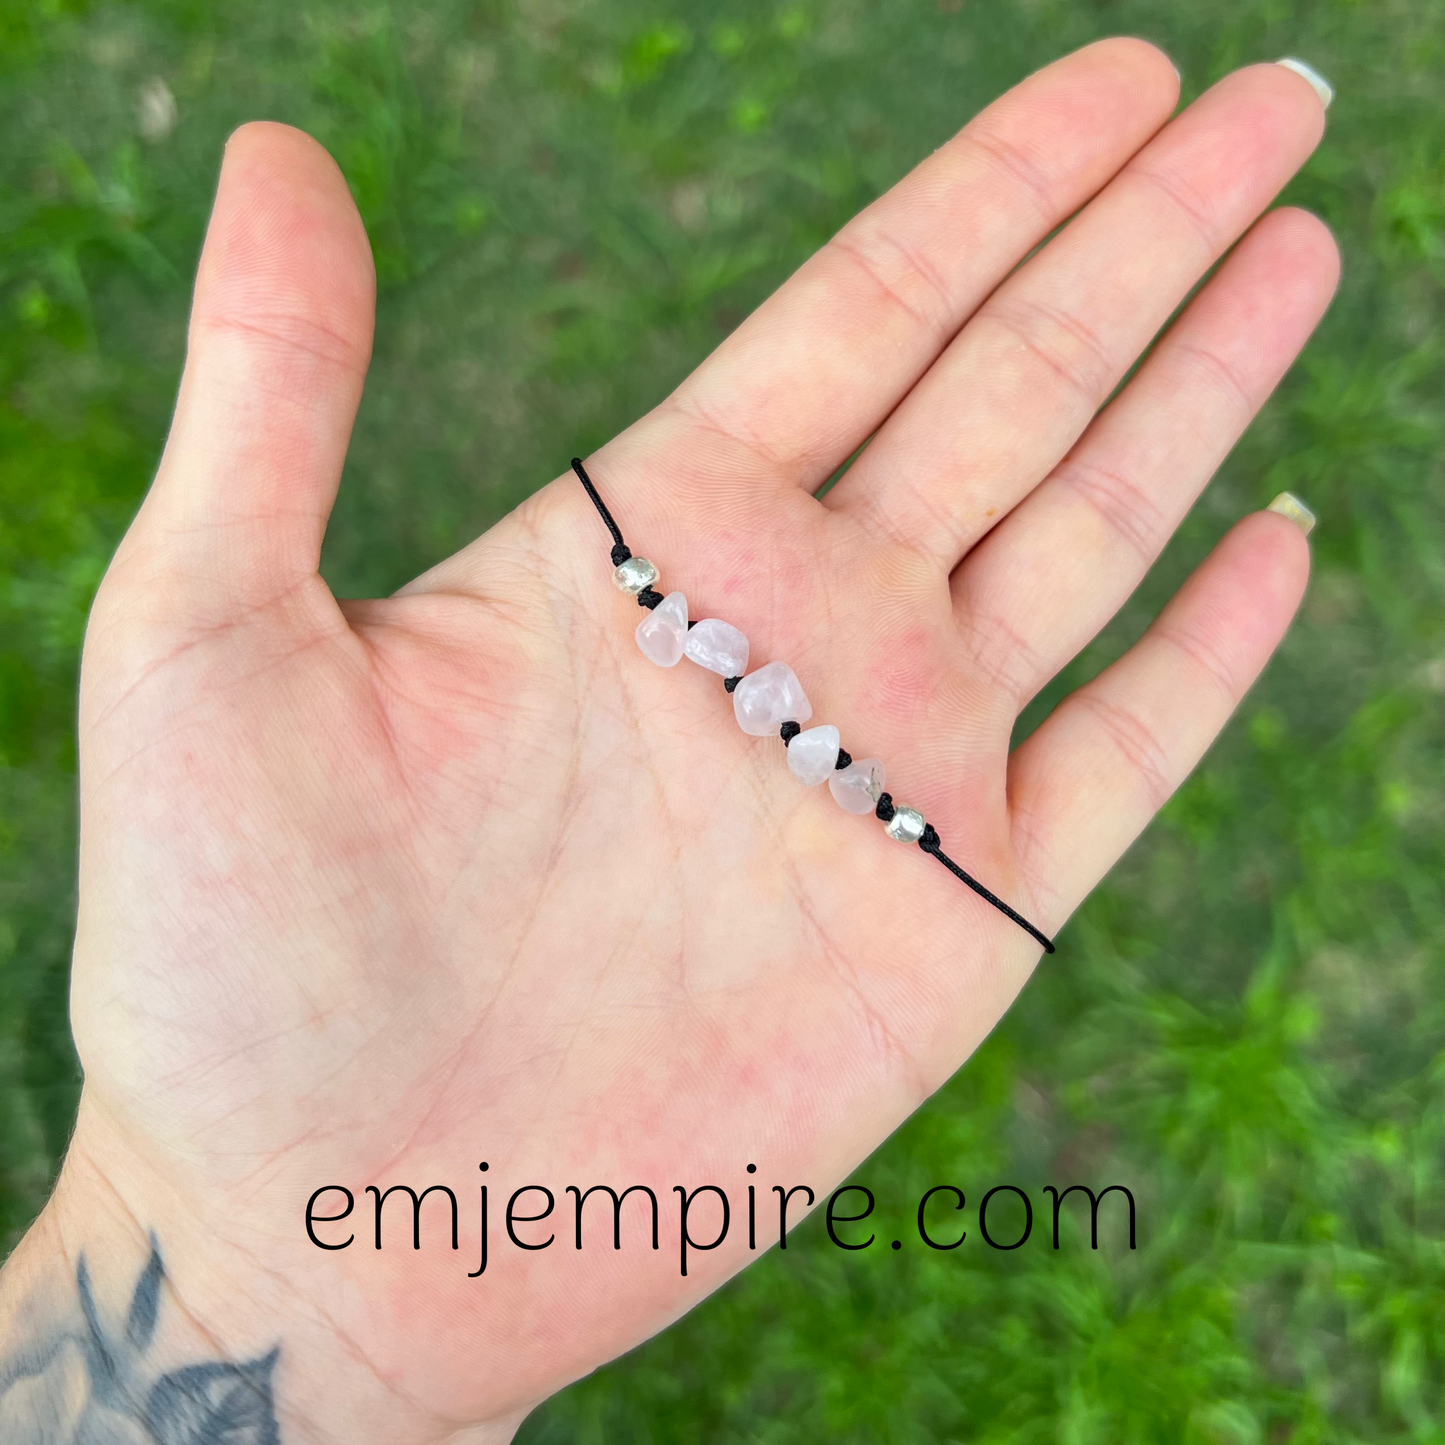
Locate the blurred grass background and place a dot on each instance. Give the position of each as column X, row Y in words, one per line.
column 570, row 203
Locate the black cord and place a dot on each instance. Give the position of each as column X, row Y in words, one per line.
column 929, row 842
column 621, row 551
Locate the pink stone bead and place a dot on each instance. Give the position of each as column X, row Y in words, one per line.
column 718, row 646
column 813, row 755
column 663, row 632
column 855, row 788
column 764, row 700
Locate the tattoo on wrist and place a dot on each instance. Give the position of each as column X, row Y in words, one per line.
column 88, row 1382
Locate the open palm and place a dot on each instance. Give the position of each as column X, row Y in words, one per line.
column 374, row 891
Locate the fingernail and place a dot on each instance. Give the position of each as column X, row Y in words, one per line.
column 1289, row 505
column 1321, row 86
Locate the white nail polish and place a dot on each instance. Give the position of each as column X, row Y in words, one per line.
column 1318, row 83
column 1289, row 505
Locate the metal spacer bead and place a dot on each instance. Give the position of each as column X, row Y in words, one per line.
column 906, row 825
column 635, row 574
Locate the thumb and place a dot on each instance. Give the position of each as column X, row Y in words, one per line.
column 279, row 342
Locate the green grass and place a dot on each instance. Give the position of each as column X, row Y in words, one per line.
column 570, row 204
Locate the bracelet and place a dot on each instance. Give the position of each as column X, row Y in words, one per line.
column 773, row 698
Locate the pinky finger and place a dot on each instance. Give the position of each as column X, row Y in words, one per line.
column 1087, row 782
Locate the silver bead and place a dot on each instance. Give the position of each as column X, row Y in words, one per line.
column 906, row 825
column 635, row 574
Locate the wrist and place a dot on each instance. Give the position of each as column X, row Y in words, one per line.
column 124, row 1311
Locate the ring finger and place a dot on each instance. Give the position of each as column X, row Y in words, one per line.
column 1040, row 585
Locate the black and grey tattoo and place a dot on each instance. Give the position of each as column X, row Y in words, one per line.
column 89, row 1384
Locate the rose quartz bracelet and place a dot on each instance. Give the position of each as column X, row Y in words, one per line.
column 772, row 700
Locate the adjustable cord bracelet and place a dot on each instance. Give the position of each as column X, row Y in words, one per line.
column 772, row 697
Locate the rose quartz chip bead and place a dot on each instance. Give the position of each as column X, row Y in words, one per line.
column 764, row 700
column 856, row 788
column 718, row 646
column 663, row 632
column 813, row 755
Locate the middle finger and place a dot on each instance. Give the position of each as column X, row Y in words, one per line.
column 1019, row 384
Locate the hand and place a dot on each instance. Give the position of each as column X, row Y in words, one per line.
column 373, row 891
